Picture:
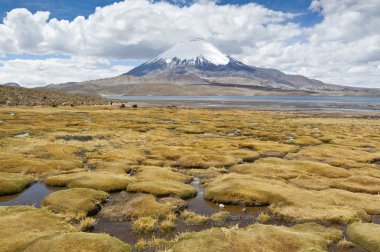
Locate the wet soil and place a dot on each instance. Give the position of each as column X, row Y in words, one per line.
column 75, row 138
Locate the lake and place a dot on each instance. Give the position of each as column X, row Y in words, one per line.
column 274, row 102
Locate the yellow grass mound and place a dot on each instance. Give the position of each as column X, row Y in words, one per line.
column 366, row 235
column 103, row 181
column 11, row 183
column 84, row 242
column 258, row 237
column 21, row 225
column 81, row 201
column 162, row 182
column 133, row 206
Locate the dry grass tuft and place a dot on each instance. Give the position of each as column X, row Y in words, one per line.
column 167, row 225
column 263, row 218
column 344, row 244
column 145, row 225
column 219, row 218
column 192, row 218
column 87, row 224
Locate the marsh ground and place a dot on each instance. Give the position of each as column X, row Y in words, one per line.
column 295, row 178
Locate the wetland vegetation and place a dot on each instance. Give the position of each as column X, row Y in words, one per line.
column 170, row 179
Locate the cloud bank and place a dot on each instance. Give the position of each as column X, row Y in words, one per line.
column 343, row 49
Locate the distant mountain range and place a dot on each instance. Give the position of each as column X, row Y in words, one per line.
column 11, row 84
column 198, row 68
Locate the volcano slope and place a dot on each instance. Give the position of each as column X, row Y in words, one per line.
column 301, row 178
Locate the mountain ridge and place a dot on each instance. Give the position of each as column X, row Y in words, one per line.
column 198, row 65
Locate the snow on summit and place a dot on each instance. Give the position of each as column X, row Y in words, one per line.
column 194, row 51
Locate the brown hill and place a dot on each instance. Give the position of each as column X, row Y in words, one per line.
column 33, row 97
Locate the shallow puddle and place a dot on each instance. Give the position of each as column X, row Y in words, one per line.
column 376, row 219
column 75, row 138
column 32, row 195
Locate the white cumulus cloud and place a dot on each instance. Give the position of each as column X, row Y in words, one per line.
column 344, row 48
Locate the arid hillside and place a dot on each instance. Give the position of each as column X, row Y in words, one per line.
column 33, row 97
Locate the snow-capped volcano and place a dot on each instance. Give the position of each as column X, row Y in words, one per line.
column 194, row 52
column 183, row 58
column 197, row 67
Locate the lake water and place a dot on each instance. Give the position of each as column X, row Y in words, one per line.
column 295, row 102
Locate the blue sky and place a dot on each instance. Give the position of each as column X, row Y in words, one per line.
column 334, row 41
column 69, row 9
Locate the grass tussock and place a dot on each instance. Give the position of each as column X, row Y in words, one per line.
column 87, row 224
column 162, row 182
column 344, row 244
column 263, row 218
column 177, row 204
column 85, row 242
column 32, row 224
column 167, row 225
column 291, row 202
column 219, row 218
column 11, row 183
column 154, row 244
column 366, row 235
column 76, row 200
column 103, row 181
column 192, row 218
column 134, row 206
column 145, row 225
column 259, row 237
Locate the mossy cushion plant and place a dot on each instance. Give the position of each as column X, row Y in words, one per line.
column 104, row 181
column 81, row 201
column 11, row 183
column 133, row 206
column 25, row 228
column 162, row 182
column 84, row 242
column 290, row 202
column 366, row 235
column 259, row 237
column 21, row 225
